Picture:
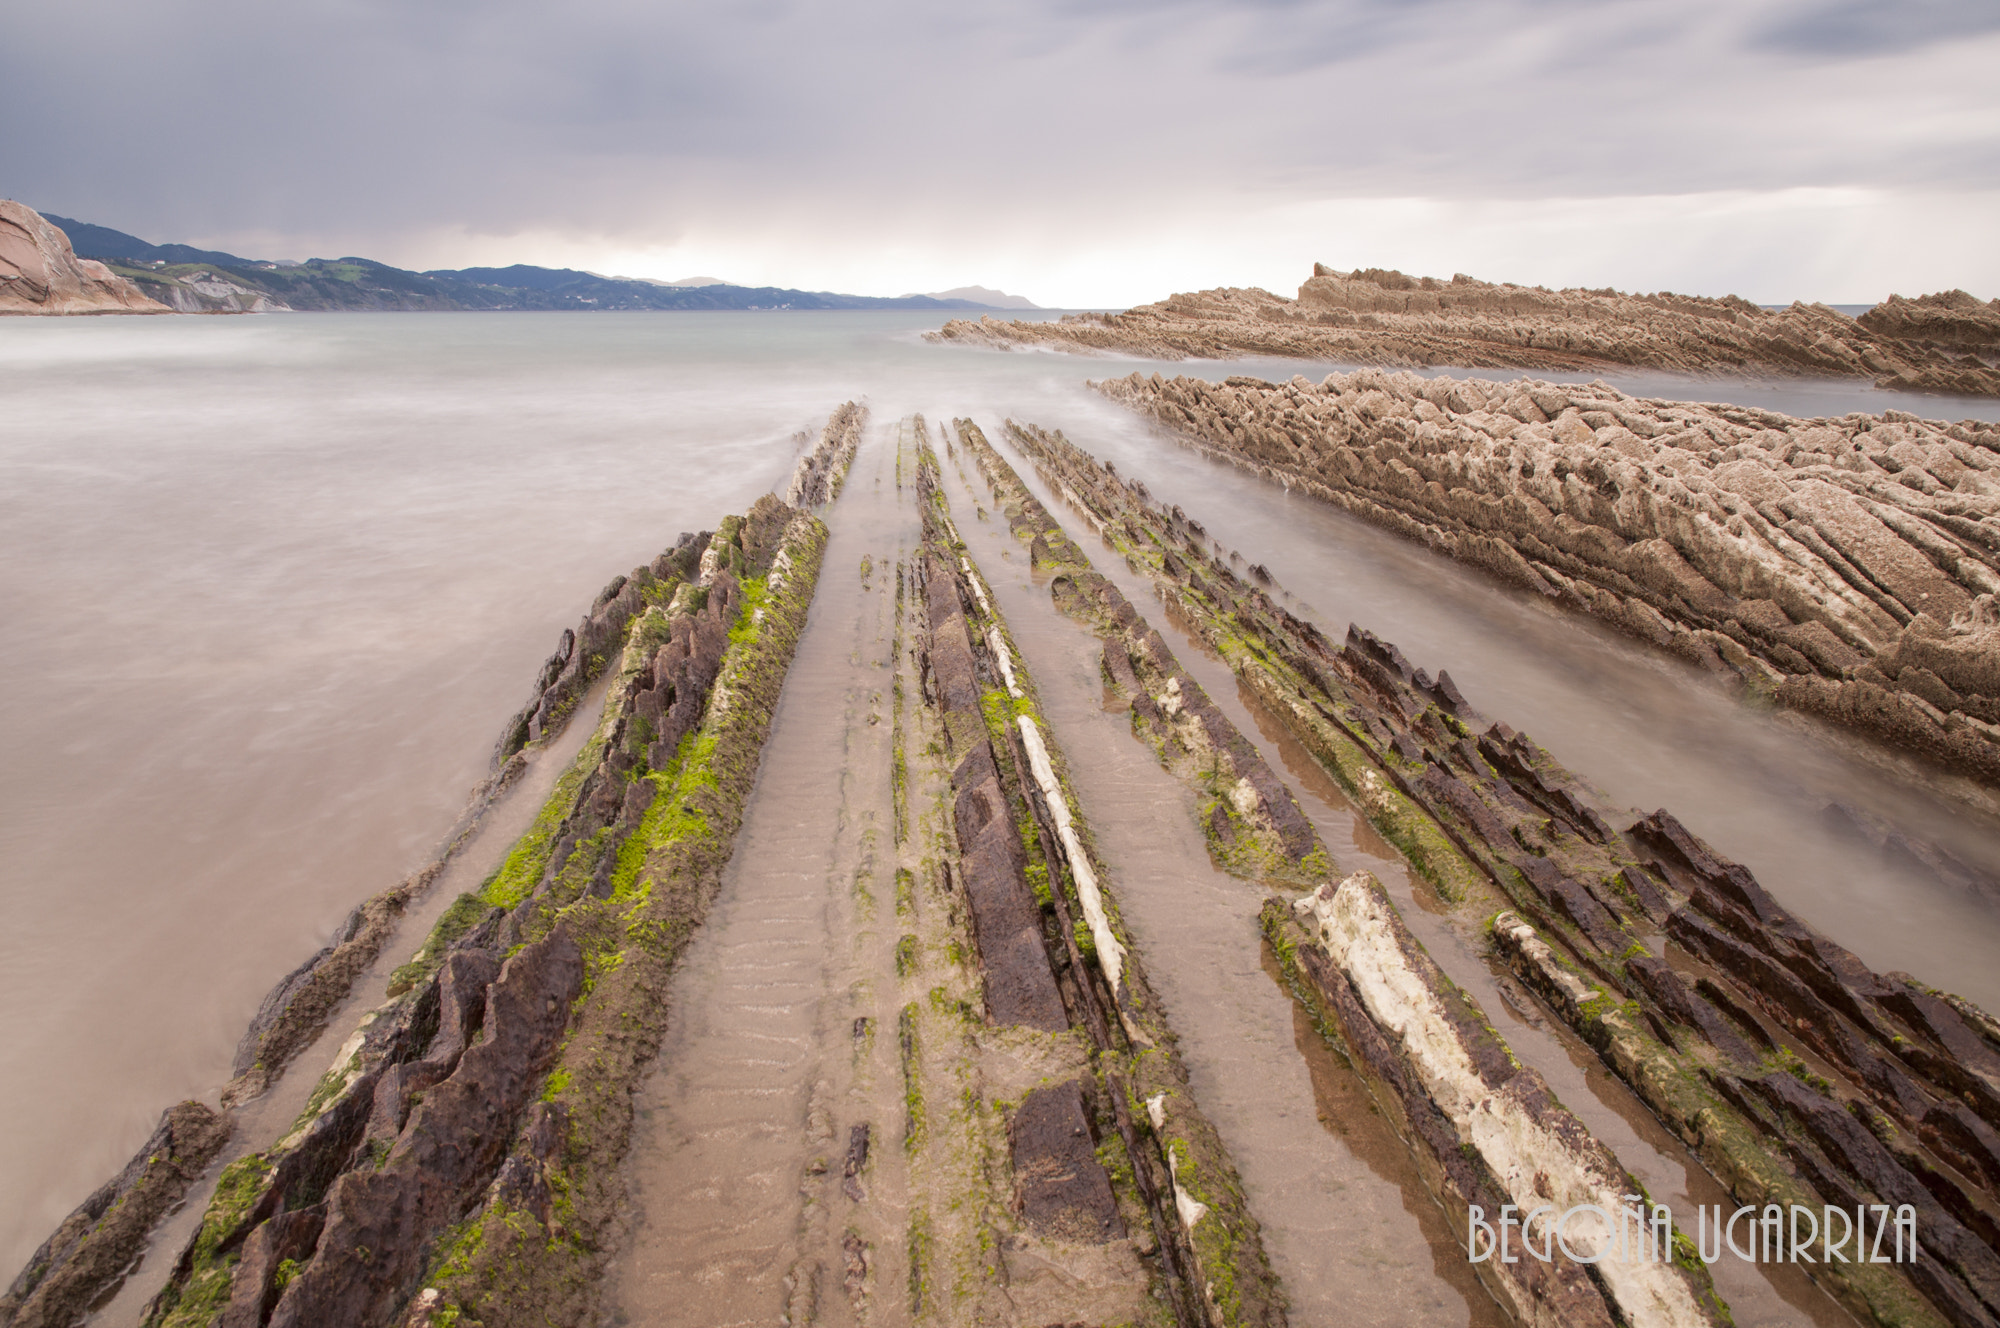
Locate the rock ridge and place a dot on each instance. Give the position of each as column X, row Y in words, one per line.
column 1946, row 343
column 337, row 1221
column 1846, row 567
column 1709, row 1037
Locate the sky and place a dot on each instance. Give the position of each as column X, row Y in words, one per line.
column 1085, row 153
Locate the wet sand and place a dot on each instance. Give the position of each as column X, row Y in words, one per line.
column 761, row 1072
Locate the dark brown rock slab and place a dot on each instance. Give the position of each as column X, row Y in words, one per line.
column 380, row 1222
column 1006, row 920
column 1061, row 1187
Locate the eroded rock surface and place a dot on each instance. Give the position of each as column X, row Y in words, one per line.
column 1949, row 323
column 1935, row 343
column 1058, row 963
column 96, row 1244
column 818, row 478
column 41, row 274
column 449, row 1144
column 1845, row 566
column 1249, row 817
column 1493, row 1130
column 1703, row 1037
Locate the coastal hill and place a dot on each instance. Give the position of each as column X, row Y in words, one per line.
column 986, row 295
column 41, row 274
column 193, row 280
column 1938, row 343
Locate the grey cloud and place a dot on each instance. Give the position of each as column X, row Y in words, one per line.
column 1874, row 27
column 377, row 120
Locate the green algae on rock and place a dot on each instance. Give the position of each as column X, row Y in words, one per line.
column 469, row 1134
column 1056, row 955
column 1706, row 1042
column 96, row 1245
column 1252, row 822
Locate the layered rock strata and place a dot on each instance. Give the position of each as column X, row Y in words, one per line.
column 468, row 1135
column 1937, row 343
column 41, row 274
column 1846, row 567
column 818, row 478
column 1952, row 322
column 1056, row 959
column 96, row 1245
column 72, row 1270
column 475, row 1018
column 1252, row 822
column 1490, row 1129
column 1758, row 1041
column 296, row 1010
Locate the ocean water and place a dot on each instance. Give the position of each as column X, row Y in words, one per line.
column 269, row 588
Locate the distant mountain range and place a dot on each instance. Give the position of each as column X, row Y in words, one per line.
column 209, row 281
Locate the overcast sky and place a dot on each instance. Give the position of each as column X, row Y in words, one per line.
column 1080, row 152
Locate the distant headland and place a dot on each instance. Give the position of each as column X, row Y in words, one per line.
column 131, row 275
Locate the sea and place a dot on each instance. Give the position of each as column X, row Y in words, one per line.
column 271, row 585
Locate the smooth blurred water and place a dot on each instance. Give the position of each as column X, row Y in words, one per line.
column 270, row 586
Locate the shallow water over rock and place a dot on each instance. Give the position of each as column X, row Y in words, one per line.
column 270, row 587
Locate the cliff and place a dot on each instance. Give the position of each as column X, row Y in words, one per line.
column 1938, row 343
column 41, row 274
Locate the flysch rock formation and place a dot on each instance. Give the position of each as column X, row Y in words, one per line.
column 1949, row 319
column 1845, row 567
column 822, row 471
column 438, row 1120
column 203, row 291
column 1251, row 821
column 1794, row 1073
column 1491, row 1128
column 1057, row 961
column 1938, row 343
column 95, row 1244
column 41, row 274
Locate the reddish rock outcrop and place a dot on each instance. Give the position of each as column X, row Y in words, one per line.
column 1387, row 318
column 41, row 274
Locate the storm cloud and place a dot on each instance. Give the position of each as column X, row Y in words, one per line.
column 1085, row 151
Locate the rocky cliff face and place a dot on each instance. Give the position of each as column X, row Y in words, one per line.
column 1939, row 343
column 205, row 291
column 1846, row 566
column 40, row 274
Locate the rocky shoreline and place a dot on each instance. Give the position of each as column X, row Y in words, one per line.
column 480, row 1083
column 1055, row 956
column 41, row 274
column 1843, row 567
column 1948, row 342
column 1795, row 1073
column 1251, row 821
column 466, row 1160
column 428, row 1105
